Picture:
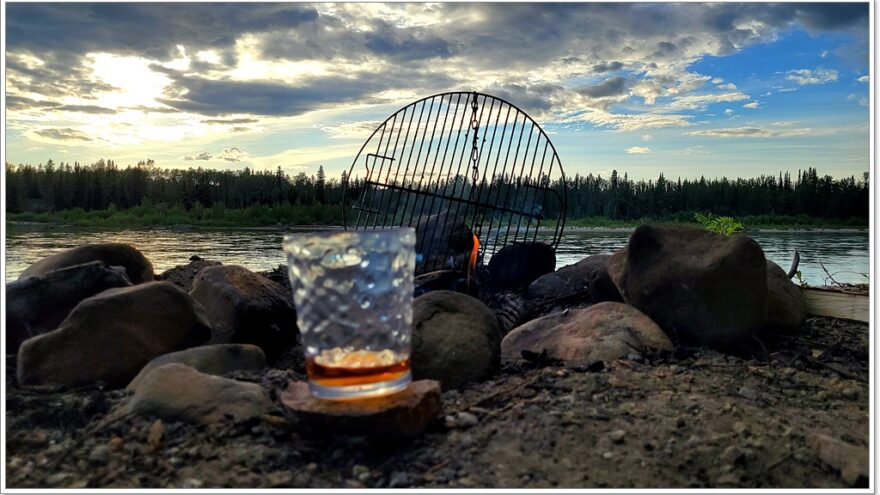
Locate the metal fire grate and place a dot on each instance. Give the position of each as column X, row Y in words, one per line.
column 457, row 161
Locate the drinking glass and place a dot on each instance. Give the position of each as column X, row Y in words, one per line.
column 353, row 293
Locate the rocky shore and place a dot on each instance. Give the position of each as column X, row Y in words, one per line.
column 684, row 360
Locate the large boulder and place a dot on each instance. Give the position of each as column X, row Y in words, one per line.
column 176, row 392
column 443, row 241
column 112, row 335
column 603, row 332
column 183, row 275
column 702, row 288
column 786, row 308
column 137, row 267
column 455, row 339
column 576, row 279
column 38, row 304
column 210, row 359
column 247, row 308
column 517, row 265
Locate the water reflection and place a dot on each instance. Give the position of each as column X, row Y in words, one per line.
column 845, row 254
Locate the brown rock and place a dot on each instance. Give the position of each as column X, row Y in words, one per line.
column 851, row 461
column 702, row 288
column 38, row 304
column 401, row 415
column 786, row 308
column 455, row 339
column 175, row 392
column 183, row 275
column 246, row 308
column 112, row 335
column 603, row 332
column 137, row 267
column 211, row 359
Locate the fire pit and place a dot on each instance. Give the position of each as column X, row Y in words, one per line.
column 471, row 172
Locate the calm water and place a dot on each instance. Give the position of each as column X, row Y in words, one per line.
column 845, row 254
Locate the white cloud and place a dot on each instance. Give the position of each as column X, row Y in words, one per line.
column 851, row 97
column 232, row 154
column 864, row 79
column 753, row 132
column 863, row 101
column 728, row 86
column 702, row 101
column 807, row 76
column 752, row 105
column 824, row 54
column 647, row 137
column 728, row 111
column 201, row 155
column 638, row 150
column 692, row 150
column 717, row 80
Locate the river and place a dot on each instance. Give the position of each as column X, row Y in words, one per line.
column 844, row 254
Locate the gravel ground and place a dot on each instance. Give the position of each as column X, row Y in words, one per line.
column 694, row 418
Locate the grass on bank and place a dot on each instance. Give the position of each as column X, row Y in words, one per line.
column 317, row 214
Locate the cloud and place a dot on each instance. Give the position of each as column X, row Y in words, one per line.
column 727, row 86
column 229, row 121
column 692, row 150
column 864, row 79
column 64, row 134
column 807, row 76
column 348, row 129
column 751, row 132
column 863, row 101
column 702, row 101
column 607, row 67
column 92, row 109
column 638, row 150
column 824, row 54
column 647, row 137
column 728, row 111
column 751, row 105
column 609, row 87
column 201, row 155
column 232, row 154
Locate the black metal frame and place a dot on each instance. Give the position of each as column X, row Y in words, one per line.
column 478, row 200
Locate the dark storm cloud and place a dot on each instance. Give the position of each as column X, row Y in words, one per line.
column 607, row 67
column 610, row 87
column 65, row 134
column 223, row 97
column 21, row 103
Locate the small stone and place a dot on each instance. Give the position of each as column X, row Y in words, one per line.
column 312, row 467
column 728, row 479
column 403, row 414
column 115, row 444
column 749, row 393
column 154, row 438
column 635, row 357
column 851, row 461
column 57, row 478
column 616, row 436
column 740, row 428
column 192, row 483
column 466, row 419
column 733, row 455
column 850, row 393
column 359, row 469
column 399, row 479
column 99, row 454
column 608, row 455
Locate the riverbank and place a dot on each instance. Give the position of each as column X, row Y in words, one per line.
column 284, row 217
column 695, row 418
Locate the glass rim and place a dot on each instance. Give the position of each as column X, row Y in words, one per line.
column 293, row 236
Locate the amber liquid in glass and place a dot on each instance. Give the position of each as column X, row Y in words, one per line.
column 339, row 368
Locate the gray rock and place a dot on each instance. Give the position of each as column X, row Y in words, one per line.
column 217, row 359
column 137, row 267
column 604, row 332
column 246, row 308
column 455, row 339
column 109, row 337
column 517, row 265
column 567, row 280
column 176, row 392
column 786, row 307
column 38, row 304
column 399, row 479
column 702, row 288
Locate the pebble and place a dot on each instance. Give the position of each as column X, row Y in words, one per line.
column 850, row 393
column 616, row 436
column 740, row 428
column 733, row 454
column 749, row 393
column 462, row 419
column 154, row 437
column 192, row 483
column 399, row 479
column 608, row 455
column 54, row 479
column 99, row 454
column 358, row 469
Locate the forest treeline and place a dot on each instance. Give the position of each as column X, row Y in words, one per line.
column 53, row 187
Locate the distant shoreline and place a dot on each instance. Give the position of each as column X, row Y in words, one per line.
column 286, row 228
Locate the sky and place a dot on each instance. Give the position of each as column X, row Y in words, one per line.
column 689, row 89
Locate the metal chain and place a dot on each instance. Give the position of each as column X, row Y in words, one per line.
column 475, row 149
